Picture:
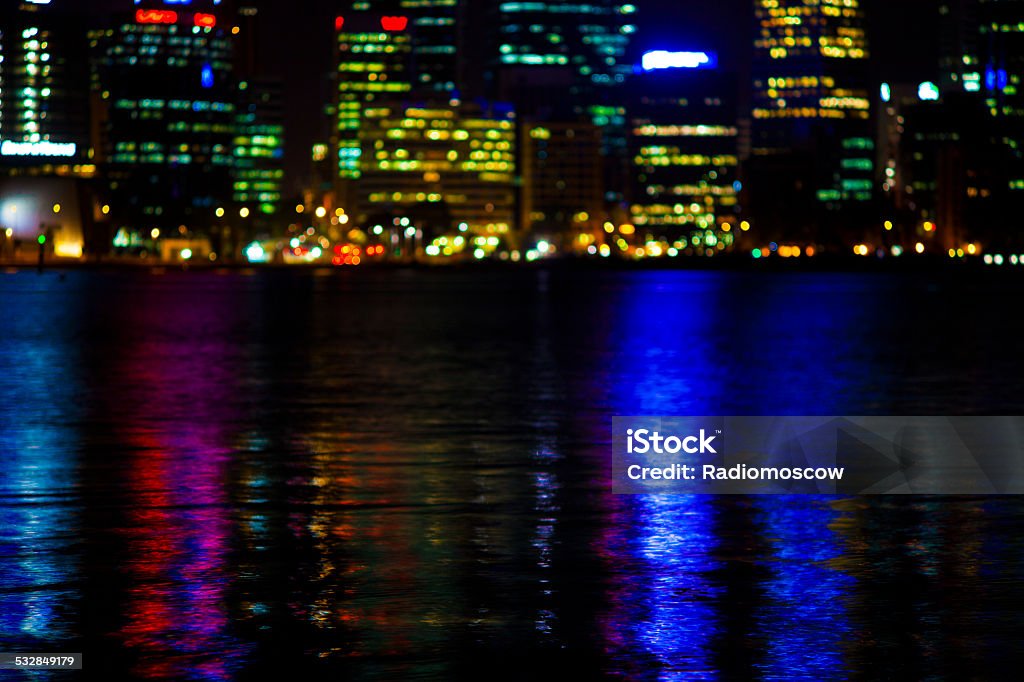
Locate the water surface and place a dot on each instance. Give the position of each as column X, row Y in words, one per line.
column 391, row 475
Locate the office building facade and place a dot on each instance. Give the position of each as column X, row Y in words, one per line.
column 162, row 78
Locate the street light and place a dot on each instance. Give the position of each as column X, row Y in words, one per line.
column 244, row 212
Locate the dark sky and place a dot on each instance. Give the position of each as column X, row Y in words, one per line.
column 295, row 43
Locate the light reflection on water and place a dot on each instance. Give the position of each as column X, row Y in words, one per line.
column 39, row 385
column 404, row 474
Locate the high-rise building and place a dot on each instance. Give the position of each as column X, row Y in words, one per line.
column 372, row 64
column 45, row 145
column 562, row 181
column 259, row 150
column 982, row 61
column 44, row 104
column 436, row 45
column 260, row 129
column 448, row 168
column 959, row 59
column 811, row 137
column 581, row 47
column 435, row 35
column 566, row 61
column 1001, row 45
column 685, row 157
column 163, row 80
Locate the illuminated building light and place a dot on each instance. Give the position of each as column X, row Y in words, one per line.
column 156, row 16
column 204, row 20
column 43, row 148
column 662, row 59
column 206, row 78
column 68, row 249
column 685, row 131
column 996, row 79
column 928, row 92
column 394, row 23
column 886, row 92
column 254, row 253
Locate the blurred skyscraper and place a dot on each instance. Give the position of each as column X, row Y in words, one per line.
column 959, row 58
column 259, row 137
column 978, row 114
column 562, row 184
column 812, row 140
column 559, row 57
column 1001, row 45
column 44, row 103
column 372, row 64
column 163, row 79
column 685, row 157
column 436, row 44
column 405, row 147
column 435, row 34
column 447, row 168
column 565, row 61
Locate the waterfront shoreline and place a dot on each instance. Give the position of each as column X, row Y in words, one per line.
column 827, row 263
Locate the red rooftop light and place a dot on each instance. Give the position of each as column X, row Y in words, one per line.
column 338, row 23
column 394, row 23
column 156, row 16
column 205, row 20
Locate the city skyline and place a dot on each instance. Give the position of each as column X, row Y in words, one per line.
column 713, row 24
column 441, row 123
column 720, row 25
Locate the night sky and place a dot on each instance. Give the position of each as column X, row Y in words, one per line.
column 295, row 43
